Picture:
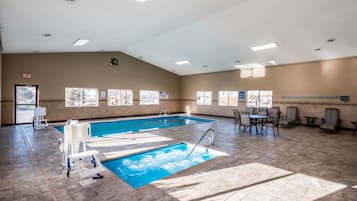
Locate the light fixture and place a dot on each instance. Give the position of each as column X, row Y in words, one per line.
column 46, row 35
column 205, row 66
column 318, row 49
column 80, row 42
column 330, row 40
column 272, row 62
column 182, row 62
column 249, row 66
column 142, row 1
column 264, row 47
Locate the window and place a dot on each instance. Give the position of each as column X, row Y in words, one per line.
column 204, row 98
column 259, row 98
column 81, row 97
column 120, row 97
column 148, row 97
column 228, row 98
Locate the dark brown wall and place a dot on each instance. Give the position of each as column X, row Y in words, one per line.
column 55, row 71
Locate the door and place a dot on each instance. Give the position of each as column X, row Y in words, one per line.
column 25, row 103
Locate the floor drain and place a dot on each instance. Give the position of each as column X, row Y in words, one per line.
column 199, row 173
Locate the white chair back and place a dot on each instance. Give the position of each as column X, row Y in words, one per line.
column 75, row 134
column 244, row 118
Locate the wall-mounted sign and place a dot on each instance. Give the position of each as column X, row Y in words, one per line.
column 242, row 95
column 103, row 94
column 26, row 75
column 164, row 95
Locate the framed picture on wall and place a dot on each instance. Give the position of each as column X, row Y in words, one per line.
column 164, row 95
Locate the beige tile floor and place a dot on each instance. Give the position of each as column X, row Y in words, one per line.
column 300, row 164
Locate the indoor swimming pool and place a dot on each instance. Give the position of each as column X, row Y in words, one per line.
column 101, row 129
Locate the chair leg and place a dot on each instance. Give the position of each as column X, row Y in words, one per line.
column 273, row 131
column 277, row 128
column 266, row 129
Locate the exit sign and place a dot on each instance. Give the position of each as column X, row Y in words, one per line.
column 26, row 75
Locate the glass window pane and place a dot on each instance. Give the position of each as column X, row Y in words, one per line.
column 253, row 98
column 120, row 97
column 266, row 98
column 81, row 97
column 208, row 98
column 233, row 98
column 25, row 95
column 149, row 97
column 223, row 98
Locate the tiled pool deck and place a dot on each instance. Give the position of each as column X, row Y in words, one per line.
column 300, row 164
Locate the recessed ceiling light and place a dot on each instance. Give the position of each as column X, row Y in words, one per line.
column 264, row 47
column 330, row 40
column 46, row 35
column 182, row 62
column 272, row 62
column 142, row 1
column 80, row 42
column 318, row 49
column 249, row 66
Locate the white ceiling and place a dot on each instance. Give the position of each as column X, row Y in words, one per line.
column 215, row 33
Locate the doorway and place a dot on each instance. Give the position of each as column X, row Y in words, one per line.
column 25, row 103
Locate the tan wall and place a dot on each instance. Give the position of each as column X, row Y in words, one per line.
column 53, row 72
column 325, row 78
column 0, row 76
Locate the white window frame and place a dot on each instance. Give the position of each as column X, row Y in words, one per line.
column 148, row 100
column 230, row 95
column 202, row 98
column 128, row 97
column 81, row 101
column 258, row 101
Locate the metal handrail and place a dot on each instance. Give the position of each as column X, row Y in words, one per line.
column 163, row 112
column 203, row 136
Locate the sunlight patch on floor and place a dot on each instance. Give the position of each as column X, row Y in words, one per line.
column 294, row 187
column 254, row 181
column 220, row 181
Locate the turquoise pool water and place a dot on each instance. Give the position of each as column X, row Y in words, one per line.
column 101, row 129
column 141, row 169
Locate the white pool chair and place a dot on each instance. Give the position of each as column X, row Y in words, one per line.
column 75, row 137
column 39, row 118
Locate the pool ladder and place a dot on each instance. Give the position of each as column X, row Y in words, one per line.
column 211, row 140
column 163, row 112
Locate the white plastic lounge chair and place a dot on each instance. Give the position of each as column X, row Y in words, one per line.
column 331, row 120
column 291, row 117
column 245, row 121
column 39, row 118
column 75, row 137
